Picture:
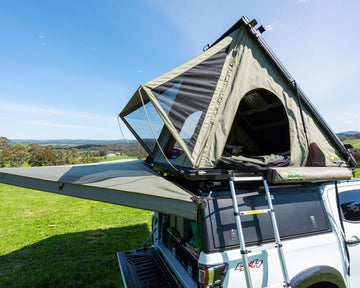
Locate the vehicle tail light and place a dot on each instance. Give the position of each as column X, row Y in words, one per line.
column 211, row 276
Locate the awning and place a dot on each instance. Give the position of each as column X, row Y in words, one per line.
column 128, row 183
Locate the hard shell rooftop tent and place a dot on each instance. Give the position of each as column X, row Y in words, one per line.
column 232, row 106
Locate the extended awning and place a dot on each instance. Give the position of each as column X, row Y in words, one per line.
column 128, row 183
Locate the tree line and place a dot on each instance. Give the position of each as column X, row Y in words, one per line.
column 344, row 137
column 34, row 155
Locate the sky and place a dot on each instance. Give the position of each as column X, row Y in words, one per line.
column 67, row 68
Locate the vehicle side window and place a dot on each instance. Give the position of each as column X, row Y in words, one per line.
column 350, row 205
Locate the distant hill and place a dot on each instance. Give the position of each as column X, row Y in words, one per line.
column 71, row 142
column 348, row 133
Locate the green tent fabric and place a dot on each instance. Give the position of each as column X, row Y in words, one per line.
column 128, row 183
column 236, row 93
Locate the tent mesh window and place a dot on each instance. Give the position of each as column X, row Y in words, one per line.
column 147, row 132
column 186, row 98
column 260, row 127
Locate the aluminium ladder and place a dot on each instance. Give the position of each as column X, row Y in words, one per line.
column 270, row 210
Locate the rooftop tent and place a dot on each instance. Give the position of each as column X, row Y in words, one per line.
column 234, row 102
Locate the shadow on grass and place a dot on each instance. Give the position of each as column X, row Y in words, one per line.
column 83, row 259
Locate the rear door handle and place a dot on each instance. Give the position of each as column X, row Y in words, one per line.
column 353, row 240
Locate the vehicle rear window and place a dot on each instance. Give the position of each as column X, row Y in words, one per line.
column 350, row 205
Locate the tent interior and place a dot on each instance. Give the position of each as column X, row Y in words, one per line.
column 260, row 126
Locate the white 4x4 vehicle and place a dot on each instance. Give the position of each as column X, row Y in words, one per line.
column 230, row 114
column 319, row 226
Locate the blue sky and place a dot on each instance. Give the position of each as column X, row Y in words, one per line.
column 67, row 68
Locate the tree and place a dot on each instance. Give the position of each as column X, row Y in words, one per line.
column 104, row 152
column 35, row 150
column 5, row 150
column 48, row 156
column 20, row 155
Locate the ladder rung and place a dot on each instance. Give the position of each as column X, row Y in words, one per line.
column 269, row 210
column 263, row 247
column 252, row 212
column 246, row 179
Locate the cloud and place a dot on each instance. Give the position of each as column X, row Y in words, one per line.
column 52, row 126
column 18, row 108
column 303, row 1
column 57, row 125
column 42, row 36
column 37, row 110
column 268, row 27
column 65, row 126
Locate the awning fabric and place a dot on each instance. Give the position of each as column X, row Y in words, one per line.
column 126, row 182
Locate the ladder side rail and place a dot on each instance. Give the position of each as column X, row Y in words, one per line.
column 276, row 234
column 240, row 234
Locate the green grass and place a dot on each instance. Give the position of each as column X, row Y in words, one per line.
column 354, row 142
column 113, row 158
column 49, row 240
column 357, row 173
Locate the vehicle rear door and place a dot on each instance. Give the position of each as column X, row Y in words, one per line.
column 349, row 200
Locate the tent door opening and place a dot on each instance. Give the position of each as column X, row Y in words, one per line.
column 260, row 127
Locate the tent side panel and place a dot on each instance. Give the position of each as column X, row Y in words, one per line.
column 322, row 150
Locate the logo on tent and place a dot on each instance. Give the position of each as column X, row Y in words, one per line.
column 336, row 160
column 293, row 176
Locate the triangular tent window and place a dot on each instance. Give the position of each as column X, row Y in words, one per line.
column 184, row 99
column 167, row 99
column 139, row 122
column 195, row 89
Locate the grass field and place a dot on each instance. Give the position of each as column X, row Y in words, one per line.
column 354, row 142
column 113, row 158
column 49, row 240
